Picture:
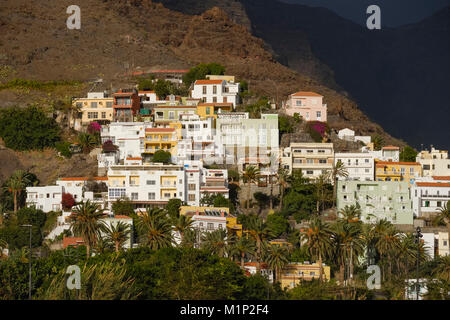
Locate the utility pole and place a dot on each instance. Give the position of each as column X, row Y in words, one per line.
column 418, row 236
column 29, row 262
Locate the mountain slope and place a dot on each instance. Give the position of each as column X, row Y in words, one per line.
column 399, row 76
column 117, row 36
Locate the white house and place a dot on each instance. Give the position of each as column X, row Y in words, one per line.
column 429, row 196
column 443, row 244
column 45, row 198
column 387, row 153
column 313, row 159
column 155, row 184
column 240, row 137
column 349, row 135
column 216, row 91
column 360, row 165
column 197, row 138
column 128, row 136
column 434, row 162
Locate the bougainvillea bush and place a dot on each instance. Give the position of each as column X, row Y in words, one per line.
column 94, row 127
column 318, row 130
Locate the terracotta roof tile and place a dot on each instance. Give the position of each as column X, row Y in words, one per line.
column 206, row 82
column 306, row 94
column 433, row 184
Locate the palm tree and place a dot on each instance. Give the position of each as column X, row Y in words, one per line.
column 276, row 258
column 318, row 238
column 156, row 229
column 320, row 188
column 378, row 142
column 103, row 245
column 117, row 234
column 406, row 253
column 191, row 237
column 348, row 245
column 444, row 216
column 18, row 182
column 249, row 176
column 387, row 243
column 283, row 176
column 259, row 231
column 351, row 213
column 215, row 242
column 86, row 141
column 3, row 246
column 181, row 225
column 86, row 222
column 337, row 171
column 242, row 247
column 442, row 270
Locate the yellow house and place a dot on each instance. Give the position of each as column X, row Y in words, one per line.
column 293, row 273
column 398, row 171
column 280, row 242
column 96, row 107
column 208, row 110
column 160, row 139
column 220, row 77
column 232, row 224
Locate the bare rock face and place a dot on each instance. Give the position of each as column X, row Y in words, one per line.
column 120, row 36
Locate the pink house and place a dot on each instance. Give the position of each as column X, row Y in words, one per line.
column 308, row 105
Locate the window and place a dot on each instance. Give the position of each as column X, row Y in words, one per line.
column 298, row 102
column 322, row 161
column 109, row 104
column 171, row 115
column 309, row 172
column 191, row 187
column 92, row 115
column 204, row 89
column 319, row 114
column 210, row 226
column 205, row 125
column 208, row 110
column 214, row 90
column 192, row 197
column 93, row 105
column 151, row 182
column 366, row 160
column 134, row 196
column 115, row 193
column 151, row 196
column 214, row 99
column 103, row 115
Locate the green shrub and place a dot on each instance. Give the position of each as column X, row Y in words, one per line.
column 28, row 128
column 63, row 149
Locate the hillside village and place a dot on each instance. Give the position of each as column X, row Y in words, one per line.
column 197, row 167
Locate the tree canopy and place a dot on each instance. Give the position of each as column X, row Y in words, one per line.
column 200, row 72
column 28, row 128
